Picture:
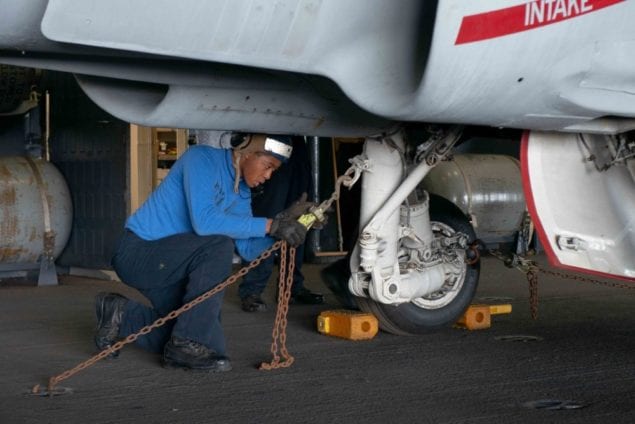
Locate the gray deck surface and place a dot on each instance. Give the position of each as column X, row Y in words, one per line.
column 587, row 355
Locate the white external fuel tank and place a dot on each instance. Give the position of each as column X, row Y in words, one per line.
column 487, row 188
column 35, row 212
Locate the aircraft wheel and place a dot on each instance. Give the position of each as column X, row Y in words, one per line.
column 440, row 308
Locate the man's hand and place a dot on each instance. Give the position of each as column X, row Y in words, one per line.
column 297, row 208
column 288, row 229
column 285, row 225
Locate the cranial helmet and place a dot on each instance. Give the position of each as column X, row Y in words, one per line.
column 278, row 146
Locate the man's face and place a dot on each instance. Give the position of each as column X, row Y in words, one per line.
column 257, row 168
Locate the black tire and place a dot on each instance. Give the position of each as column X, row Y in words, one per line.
column 410, row 318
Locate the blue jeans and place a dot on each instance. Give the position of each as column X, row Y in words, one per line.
column 170, row 272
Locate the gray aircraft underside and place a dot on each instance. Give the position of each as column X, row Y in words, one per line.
column 326, row 67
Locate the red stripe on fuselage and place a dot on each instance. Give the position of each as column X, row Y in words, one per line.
column 524, row 17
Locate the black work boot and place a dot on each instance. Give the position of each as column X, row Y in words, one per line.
column 305, row 296
column 109, row 310
column 253, row 303
column 184, row 353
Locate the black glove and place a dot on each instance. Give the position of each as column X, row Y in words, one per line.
column 297, row 208
column 288, row 229
column 285, row 225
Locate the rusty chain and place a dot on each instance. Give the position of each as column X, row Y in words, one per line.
column 347, row 179
column 279, row 327
column 532, row 278
column 531, row 269
column 612, row 284
column 532, row 281
column 279, row 333
column 278, row 345
column 279, row 336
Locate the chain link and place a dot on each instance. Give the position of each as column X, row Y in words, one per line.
column 531, row 269
column 279, row 333
column 532, row 280
column 348, row 179
column 278, row 345
column 53, row 381
column 612, row 284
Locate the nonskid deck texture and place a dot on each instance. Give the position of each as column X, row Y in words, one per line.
column 582, row 351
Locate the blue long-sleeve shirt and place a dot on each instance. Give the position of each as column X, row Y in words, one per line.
column 197, row 196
